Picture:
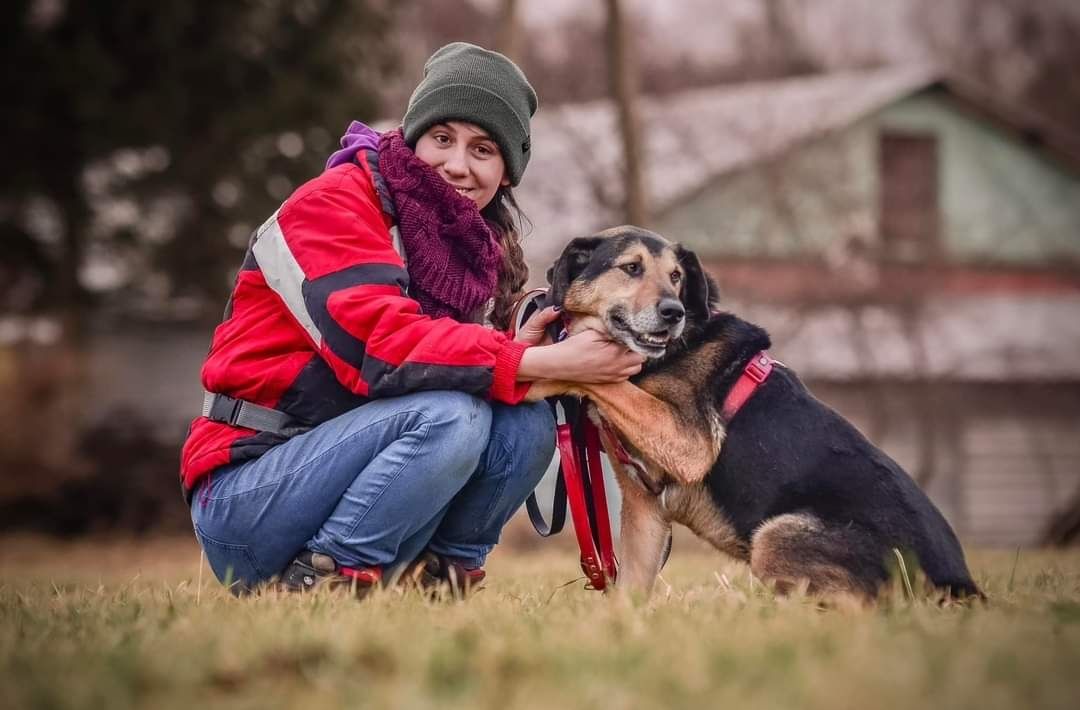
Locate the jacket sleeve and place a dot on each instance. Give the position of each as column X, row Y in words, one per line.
column 328, row 254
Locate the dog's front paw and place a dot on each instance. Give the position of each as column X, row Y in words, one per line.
column 542, row 389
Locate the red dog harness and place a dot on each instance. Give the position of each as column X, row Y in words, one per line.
column 756, row 371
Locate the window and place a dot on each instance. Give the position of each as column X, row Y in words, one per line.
column 909, row 196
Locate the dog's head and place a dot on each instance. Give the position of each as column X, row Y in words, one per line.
column 645, row 290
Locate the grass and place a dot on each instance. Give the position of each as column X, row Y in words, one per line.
column 122, row 625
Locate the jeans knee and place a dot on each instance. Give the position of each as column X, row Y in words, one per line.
column 456, row 409
column 461, row 423
column 540, row 423
column 530, row 430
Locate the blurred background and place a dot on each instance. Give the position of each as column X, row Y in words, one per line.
column 892, row 189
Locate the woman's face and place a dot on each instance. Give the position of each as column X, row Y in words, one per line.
column 466, row 157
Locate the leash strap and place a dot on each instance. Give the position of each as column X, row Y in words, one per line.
column 558, row 499
column 530, row 302
column 600, row 515
column 579, row 486
column 575, row 495
column 580, row 468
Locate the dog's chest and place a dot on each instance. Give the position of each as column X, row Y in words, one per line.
column 683, row 393
column 717, row 430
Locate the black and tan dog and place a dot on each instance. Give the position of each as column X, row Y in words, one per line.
column 787, row 484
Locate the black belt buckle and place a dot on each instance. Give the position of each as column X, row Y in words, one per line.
column 225, row 409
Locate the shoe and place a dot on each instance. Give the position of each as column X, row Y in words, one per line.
column 429, row 573
column 311, row 570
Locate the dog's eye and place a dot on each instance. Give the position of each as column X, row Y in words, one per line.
column 676, row 277
column 633, row 268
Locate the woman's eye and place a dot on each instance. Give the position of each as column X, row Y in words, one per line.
column 442, row 138
column 484, row 150
column 676, row 277
column 632, row 268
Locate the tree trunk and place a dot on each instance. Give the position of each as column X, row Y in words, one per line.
column 787, row 51
column 509, row 40
column 622, row 73
column 70, row 295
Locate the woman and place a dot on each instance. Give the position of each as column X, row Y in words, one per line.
column 359, row 416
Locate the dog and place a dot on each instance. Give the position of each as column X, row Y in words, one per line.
column 787, row 484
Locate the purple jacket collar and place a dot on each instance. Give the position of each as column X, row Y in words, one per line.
column 357, row 137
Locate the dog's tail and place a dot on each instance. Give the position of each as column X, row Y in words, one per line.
column 944, row 564
column 963, row 589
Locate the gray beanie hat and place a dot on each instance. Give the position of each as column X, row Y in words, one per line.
column 463, row 82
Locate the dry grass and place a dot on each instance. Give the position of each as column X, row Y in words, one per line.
column 123, row 625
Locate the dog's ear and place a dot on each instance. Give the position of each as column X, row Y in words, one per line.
column 569, row 265
column 699, row 291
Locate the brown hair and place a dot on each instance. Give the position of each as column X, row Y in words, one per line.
column 508, row 221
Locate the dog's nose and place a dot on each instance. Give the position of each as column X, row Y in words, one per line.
column 671, row 310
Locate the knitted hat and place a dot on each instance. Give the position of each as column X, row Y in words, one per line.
column 463, row 82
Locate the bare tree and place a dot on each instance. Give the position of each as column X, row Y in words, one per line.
column 1026, row 51
column 622, row 72
column 509, row 34
column 788, row 53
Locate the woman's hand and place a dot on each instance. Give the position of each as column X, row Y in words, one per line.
column 534, row 331
column 589, row 357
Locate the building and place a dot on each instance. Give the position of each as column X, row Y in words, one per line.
column 912, row 245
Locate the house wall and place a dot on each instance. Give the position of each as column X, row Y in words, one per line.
column 1001, row 201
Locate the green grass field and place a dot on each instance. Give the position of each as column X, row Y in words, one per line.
column 121, row 625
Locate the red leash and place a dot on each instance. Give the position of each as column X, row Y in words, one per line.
column 581, row 470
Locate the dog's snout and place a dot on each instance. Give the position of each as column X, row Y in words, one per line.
column 671, row 310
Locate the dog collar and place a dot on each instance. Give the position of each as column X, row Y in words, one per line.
column 755, row 372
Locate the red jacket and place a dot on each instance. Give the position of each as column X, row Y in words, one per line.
column 319, row 323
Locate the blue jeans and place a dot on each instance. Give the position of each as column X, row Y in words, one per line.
column 376, row 486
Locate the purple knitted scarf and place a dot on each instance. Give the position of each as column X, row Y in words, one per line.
column 453, row 254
